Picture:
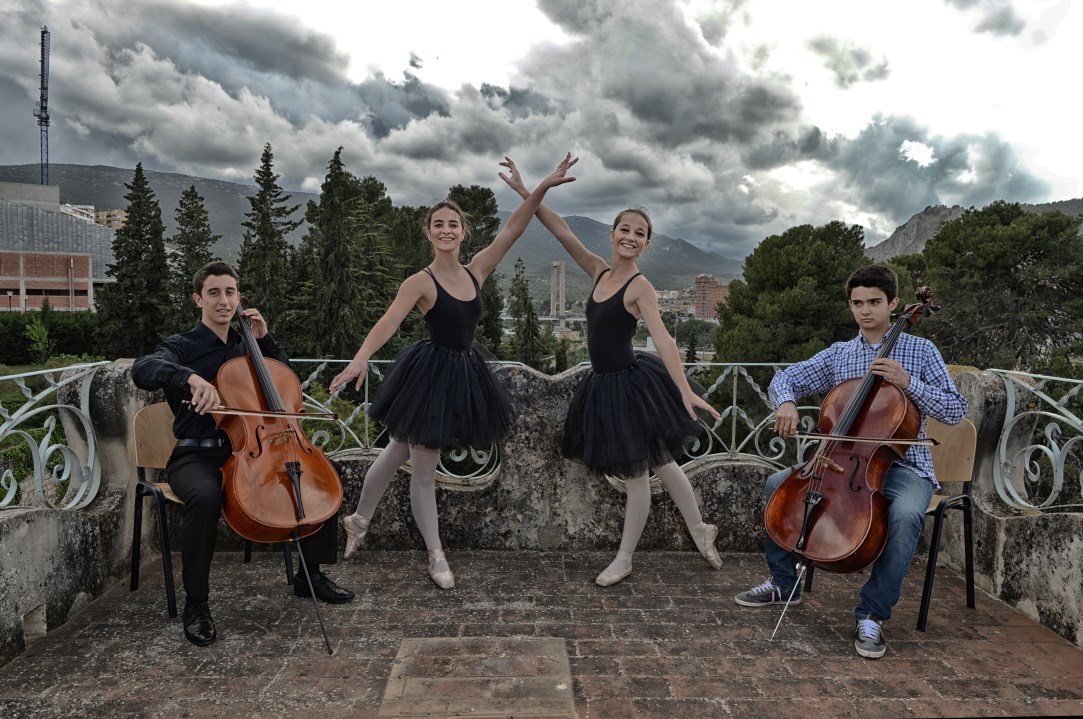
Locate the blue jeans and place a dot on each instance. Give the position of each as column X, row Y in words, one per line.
column 908, row 495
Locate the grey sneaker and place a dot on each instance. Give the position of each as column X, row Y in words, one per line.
column 869, row 638
column 765, row 595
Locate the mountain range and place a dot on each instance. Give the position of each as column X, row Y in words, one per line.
column 670, row 263
column 911, row 236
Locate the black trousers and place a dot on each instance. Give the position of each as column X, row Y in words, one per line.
column 195, row 474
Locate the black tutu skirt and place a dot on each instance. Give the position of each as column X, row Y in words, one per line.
column 623, row 423
column 442, row 398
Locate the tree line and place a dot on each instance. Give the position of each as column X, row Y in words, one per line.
column 320, row 297
column 1009, row 283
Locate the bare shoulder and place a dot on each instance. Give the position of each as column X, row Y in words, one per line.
column 640, row 287
column 418, row 284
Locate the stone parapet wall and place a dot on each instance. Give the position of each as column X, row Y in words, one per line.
column 535, row 500
column 1033, row 561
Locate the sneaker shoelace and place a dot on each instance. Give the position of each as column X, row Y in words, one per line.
column 766, row 588
column 868, row 629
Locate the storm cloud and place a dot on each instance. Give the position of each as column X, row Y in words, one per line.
column 849, row 63
column 962, row 170
column 663, row 111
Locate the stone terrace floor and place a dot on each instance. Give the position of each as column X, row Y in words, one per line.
column 667, row 642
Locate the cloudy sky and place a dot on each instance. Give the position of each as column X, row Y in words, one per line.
column 730, row 120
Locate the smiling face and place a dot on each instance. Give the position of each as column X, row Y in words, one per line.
column 630, row 235
column 446, row 229
column 218, row 300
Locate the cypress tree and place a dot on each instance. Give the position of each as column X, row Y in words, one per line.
column 352, row 282
column 193, row 243
column 264, row 260
column 527, row 344
column 693, row 347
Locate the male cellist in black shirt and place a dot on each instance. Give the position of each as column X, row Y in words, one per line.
column 183, row 367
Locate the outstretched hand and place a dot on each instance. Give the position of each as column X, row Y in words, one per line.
column 694, row 401
column 513, row 178
column 557, row 177
column 354, row 369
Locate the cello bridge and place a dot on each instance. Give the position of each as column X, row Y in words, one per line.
column 826, row 462
column 279, row 437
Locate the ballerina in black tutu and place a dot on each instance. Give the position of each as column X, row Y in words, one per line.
column 632, row 412
column 438, row 394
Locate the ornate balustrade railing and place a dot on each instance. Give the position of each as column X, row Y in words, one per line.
column 1039, row 465
column 1041, row 443
column 743, row 430
column 353, row 430
column 38, row 464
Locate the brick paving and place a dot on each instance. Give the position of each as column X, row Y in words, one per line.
column 667, row 642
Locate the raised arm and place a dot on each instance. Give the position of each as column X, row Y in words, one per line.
column 641, row 293
column 485, row 262
column 591, row 263
column 410, row 292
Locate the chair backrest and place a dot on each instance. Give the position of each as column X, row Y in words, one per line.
column 953, row 458
column 154, row 440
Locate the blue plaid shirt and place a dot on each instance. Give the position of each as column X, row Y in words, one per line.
column 931, row 387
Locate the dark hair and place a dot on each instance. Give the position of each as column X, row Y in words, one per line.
column 453, row 206
column 212, row 268
column 878, row 276
column 636, row 211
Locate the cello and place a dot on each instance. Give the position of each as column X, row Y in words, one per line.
column 831, row 512
column 276, row 486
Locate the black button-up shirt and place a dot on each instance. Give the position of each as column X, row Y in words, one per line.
column 198, row 350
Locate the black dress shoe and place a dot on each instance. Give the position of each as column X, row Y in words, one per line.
column 324, row 589
column 198, row 625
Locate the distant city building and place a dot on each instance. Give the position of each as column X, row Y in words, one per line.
column 83, row 212
column 47, row 253
column 566, row 333
column 29, row 278
column 43, row 197
column 709, row 292
column 113, row 219
column 678, row 302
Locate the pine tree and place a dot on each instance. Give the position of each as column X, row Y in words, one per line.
column 791, row 302
column 264, row 260
column 1011, row 286
column 133, row 311
column 193, row 243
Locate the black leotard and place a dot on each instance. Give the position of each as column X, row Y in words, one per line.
column 451, row 321
column 610, row 328
column 439, row 392
column 627, row 415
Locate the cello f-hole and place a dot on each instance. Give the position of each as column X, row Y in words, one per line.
column 854, row 474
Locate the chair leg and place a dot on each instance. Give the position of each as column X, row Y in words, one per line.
column 137, row 531
column 808, row 578
column 968, row 538
column 930, row 570
column 247, row 551
column 287, row 553
column 167, row 557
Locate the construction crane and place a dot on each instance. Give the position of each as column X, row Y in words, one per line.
column 42, row 110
